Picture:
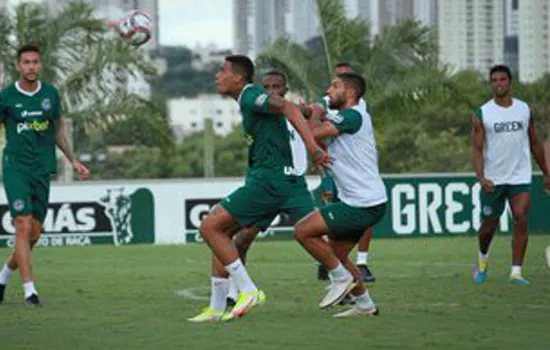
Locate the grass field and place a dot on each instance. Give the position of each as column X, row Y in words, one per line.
column 138, row 297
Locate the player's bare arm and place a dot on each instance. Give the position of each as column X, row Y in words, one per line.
column 538, row 151
column 478, row 144
column 278, row 105
column 63, row 144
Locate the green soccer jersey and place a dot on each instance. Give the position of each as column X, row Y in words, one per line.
column 268, row 137
column 29, row 119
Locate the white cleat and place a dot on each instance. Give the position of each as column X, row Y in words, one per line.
column 337, row 291
column 355, row 311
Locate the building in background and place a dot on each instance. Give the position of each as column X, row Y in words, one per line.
column 534, row 39
column 511, row 34
column 187, row 115
column 471, row 33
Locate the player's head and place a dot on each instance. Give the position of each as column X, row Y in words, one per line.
column 235, row 72
column 343, row 67
column 28, row 62
column 275, row 83
column 501, row 80
column 346, row 89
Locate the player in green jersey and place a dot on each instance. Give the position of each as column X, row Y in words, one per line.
column 30, row 111
column 271, row 179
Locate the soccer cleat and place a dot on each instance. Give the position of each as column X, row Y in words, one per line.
column 366, row 275
column 322, row 273
column 33, row 300
column 208, row 314
column 354, row 311
column 2, row 291
column 245, row 302
column 479, row 272
column 519, row 280
column 337, row 291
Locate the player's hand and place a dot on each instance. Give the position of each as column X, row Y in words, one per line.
column 320, row 159
column 318, row 112
column 486, row 185
column 547, row 184
column 81, row 169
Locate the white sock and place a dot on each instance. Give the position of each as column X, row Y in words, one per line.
column 29, row 289
column 243, row 281
column 233, row 292
column 218, row 292
column 339, row 273
column 516, row 270
column 364, row 301
column 362, row 258
column 5, row 274
column 483, row 256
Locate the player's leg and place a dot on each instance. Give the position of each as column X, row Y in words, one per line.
column 243, row 241
column 219, row 284
column 363, row 255
column 520, row 202
column 19, row 192
column 363, row 305
column 492, row 206
column 309, row 233
column 247, row 205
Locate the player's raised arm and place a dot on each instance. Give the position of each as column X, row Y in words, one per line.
column 478, row 145
column 278, row 106
column 538, row 151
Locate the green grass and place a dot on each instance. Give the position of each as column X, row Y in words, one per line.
column 125, row 298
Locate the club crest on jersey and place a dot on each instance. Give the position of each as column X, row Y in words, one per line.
column 18, row 204
column 260, row 100
column 487, row 210
column 46, row 104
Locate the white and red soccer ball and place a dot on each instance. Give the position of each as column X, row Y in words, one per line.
column 135, row 28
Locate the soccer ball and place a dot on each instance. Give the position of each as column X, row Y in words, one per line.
column 135, row 28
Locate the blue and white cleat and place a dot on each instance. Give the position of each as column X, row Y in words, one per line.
column 479, row 272
column 519, row 280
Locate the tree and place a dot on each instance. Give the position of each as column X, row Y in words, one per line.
column 79, row 57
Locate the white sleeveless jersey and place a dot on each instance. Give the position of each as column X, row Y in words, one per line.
column 355, row 168
column 299, row 151
column 507, row 154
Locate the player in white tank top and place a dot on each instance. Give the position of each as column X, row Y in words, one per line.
column 504, row 137
column 364, row 242
column 361, row 190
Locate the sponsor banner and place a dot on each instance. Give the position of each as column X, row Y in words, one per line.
column 170, row 212
column 111, row 215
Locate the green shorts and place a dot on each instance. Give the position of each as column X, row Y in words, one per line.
column 347, row 223
column 492, row 204
column 260, row 201
column 27, row 193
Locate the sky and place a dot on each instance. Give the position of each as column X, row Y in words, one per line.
column 188, row 22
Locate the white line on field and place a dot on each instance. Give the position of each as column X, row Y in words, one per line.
column 197, row 294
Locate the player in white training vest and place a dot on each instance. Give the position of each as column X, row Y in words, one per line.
column 360, row 189
column 503, row 139
column 330, row 195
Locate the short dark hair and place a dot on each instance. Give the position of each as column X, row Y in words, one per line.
column 500, row 68
column 277, row 73
column 27, row 48
column 356, row 80
column 242, row 65
column 343, row 64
